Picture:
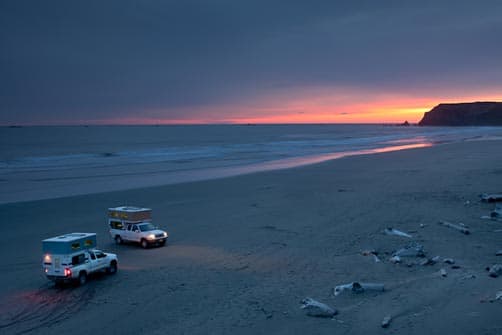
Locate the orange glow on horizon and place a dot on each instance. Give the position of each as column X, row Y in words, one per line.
column 313, row 105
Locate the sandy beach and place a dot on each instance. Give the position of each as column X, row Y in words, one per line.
column 245, row 250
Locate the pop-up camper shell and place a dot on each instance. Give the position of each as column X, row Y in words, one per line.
column 118, row 217
column 130, row 213
column 69, row 243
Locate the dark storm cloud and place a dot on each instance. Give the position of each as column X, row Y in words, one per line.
column 102, row 59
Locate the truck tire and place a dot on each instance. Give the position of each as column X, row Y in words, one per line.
column 112, row 269
column 82, row 278
column 118, row 239
column 144, row 243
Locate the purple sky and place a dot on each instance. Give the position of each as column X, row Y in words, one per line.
column 85, row 61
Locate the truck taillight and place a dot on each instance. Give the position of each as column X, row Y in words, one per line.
column 47, row 259
column 67, row 272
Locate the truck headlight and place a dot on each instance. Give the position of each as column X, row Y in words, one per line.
column 151, row 237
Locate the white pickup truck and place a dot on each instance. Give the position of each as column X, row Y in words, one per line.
column 73, row 257
column 134, row 224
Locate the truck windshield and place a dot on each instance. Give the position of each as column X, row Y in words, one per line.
column 147, row 227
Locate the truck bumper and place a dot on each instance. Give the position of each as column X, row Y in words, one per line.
column 60, row 279
column 159, row 241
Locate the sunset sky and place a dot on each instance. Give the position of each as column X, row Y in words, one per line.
column 199, row 61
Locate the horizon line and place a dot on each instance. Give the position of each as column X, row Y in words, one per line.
column 19, row 125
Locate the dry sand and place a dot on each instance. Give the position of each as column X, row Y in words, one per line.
column 243, row 252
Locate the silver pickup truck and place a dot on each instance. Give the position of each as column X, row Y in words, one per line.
column 73, row 257
column 134, row 224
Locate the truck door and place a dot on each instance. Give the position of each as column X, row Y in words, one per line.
column 128, row 233
column 100, row 260
column 136, row 233
column 93, row 263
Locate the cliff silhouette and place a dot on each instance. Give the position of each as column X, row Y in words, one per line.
column 486, row 113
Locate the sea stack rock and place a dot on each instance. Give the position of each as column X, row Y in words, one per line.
column 464, row 114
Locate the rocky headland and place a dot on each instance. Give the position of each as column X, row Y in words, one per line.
column 464, row 114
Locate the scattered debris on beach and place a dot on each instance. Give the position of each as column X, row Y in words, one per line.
column 396, row 232
column 358, row 287
column 318, row 309
column 498, row 253
column 386, row 321
column 491, row 197
column 450, row 261
column 495, row 270
column 460, row 227
column 443, row 273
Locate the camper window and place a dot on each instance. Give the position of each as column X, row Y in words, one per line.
column 116, row 225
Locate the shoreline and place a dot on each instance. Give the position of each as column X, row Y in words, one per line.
column 62, row 186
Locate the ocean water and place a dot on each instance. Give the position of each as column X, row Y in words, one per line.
column 67, row 160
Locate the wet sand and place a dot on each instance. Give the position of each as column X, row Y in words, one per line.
column 244, row 251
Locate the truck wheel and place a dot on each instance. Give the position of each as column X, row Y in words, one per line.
column 112, row 269
column 163, row 243
column 144, row 243
column 118, row 239
column 82, row 278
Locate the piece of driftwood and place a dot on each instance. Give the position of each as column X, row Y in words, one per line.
column 412, row 250
column 430, row 261
column 498, row 253
column 396, row 232
column 461, row 228
column 373, row 253
column 449, row 261
column 496, row 213
column 376, row 259
column 494, row 270
column 491, row 197
column 386, row 321
column 395, row 259
column 443, row 273
column 358, row 287
column 318, row 309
